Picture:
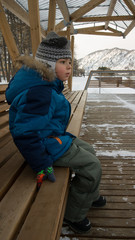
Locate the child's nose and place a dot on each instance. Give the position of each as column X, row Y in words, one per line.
column 68, row 65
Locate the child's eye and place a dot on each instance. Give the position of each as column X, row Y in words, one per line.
column 62, row 61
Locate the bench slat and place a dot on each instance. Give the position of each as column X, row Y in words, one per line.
column 2, row 97
column 5, row 140
column 3, row 87
column 75, row 124
column 15, row 204
column 4, row 107
column 4, row 119
column 9, row 172
column 4, row 131
column 7, row 151
column 45, row 213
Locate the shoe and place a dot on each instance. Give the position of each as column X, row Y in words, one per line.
column 83, row 226
column 100, row 202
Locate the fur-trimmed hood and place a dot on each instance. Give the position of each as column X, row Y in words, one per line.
column 31, row 73
column 46, row 72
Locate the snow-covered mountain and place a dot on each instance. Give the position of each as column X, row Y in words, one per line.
column 115, row 59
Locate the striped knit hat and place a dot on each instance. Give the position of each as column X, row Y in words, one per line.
column 52, row 48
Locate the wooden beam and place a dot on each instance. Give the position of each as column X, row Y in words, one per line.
column 64, row 10
column 52, row 14
column 113, row 30
column 85, row 8
column 104, row 34
column 8, row 36
column 19, row 12
column 79, row 13
column 34, row 19
column 110, row 11
column 106, row 18
column 71, row 77
column 130, row 5
column 98, row 31
column 90, row 29
column 129, row 28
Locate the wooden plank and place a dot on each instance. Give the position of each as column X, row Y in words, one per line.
column 46, row 209
column 74, row 104
column 5, row 140
column 4, row 119
column 4, row 131
column 4, row 107
column 3, row 88
column 71, row 96
column 104, row 233
column 101, row 213
column 62, row 215
column 113, row 222
column 7, row 151
column 120, row 206
column 9, row 172
column 75, row 124
column 21, row 195
column 2, row 97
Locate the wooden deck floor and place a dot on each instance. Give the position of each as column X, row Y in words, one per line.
column 109, row 124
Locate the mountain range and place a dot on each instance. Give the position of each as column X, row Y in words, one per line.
column 115, row 59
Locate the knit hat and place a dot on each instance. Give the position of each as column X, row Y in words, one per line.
column 52, row 48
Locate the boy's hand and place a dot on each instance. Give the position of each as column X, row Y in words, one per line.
column 48, row 173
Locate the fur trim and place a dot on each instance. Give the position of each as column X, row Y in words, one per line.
column 40, row 67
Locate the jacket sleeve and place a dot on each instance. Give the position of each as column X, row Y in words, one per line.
column 30, row 143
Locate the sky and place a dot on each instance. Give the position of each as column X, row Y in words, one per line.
column 85, row 44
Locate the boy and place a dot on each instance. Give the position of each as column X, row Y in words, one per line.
column 38, row 118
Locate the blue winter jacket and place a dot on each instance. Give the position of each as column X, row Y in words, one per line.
column 38, row 117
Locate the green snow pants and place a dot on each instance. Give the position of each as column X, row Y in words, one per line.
column 84, row 188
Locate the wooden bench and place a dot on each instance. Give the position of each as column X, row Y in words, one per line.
column 24, row 212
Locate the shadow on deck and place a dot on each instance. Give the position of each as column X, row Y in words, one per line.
column 109, row 124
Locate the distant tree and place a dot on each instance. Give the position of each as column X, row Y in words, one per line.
column 105, row 69
column 76, row 70
column 75, row 67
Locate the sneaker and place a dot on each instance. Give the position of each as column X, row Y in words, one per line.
column 79, row 227
column 100, row 202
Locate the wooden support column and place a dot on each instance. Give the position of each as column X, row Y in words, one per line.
column 52, row 14
column 7, row 34
column 72, row 49
column 35, row 28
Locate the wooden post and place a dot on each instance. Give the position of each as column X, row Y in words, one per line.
column 35, row 28
column 8, row 36
column 52, row 14
column 72, row 49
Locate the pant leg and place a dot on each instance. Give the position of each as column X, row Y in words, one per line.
column 88, row 147
column 84, row 187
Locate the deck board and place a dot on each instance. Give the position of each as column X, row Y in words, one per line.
column 109, row 125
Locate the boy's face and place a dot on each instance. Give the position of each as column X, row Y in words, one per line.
column 63, row 69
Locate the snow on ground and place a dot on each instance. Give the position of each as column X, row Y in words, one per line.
column 79, row 84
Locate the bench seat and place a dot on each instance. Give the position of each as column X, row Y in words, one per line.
column 24, row 212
